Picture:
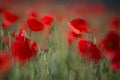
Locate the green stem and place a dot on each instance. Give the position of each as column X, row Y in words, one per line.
column 9, row 39
column 30, row 32
column 98, row 75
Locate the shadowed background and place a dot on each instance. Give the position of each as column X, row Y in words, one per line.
column 111, row 4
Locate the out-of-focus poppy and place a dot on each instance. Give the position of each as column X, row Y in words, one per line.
column 111, row 41
column 88, row 50
column 5, row 62
column 23, row 48
column 10, row 16
column 115, row 63
column 115, row 23
column 47, row 20
column 34, row 24
column 78, row 25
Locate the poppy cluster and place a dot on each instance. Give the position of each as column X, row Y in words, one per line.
column 87, row 49
column 22, row 48
column 38, row 25
column 77, row 25
column 111, row 45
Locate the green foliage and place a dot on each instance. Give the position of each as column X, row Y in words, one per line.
column 60, row 62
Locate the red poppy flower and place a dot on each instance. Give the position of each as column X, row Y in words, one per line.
column 71, row 36
column 78, row 25
column 10, row 16
column 115, row 64
column 47, row 20
column 115, row 23
column 88, row 50
column 110, row 54
column 111, row 41
column 23, row 48
column 5, row 62
column 8, row 19
column 34, row 24
column 111, row 44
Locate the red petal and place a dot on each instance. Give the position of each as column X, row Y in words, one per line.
column 115, row 23
column 115, row 64
column 34, row 24
column 89, row 50
column 111, row 41
column 5, row 62
column 23, row 48
column 47, row 20
column 10, row 16
column 78, row 25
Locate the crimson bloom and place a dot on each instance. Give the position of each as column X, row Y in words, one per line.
column 115, row 23
column 115, row 66
column 115, row 63
column 88, row 50
column 111, row 41
column 47, row 20
column 23, row 48
column 78, row 25
column 8, row 19
column 10, row 16
column 111, row 44
column 34, row 24
column 5, row 62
